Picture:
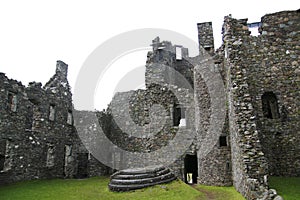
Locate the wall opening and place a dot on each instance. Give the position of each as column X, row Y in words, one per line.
column 178, row 52
column 12, row 101
column 176, row 115
column 179, row 115
column 52, row 112
column 50, row 155
column 254, row 28
column 68, row 161
column 5, row 156
column 2, row 160
column 191, row 169
column 82, row 169
column 207, row 48
column 228, row 169
column 223, row 141
column 29, row 117
column 182, row 121
column 2, row 154
column 70, row 118
column 270, row 105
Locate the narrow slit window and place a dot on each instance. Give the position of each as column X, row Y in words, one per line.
column 2, row 154
column 223, row 141
column 178, row 51
column 176, row 115
column 5, row 156
column 50, row 156
column 2, row 160
column 182, row 121
column 70, row 118
column 12, row 101
column 227, row 166
column 52, row 112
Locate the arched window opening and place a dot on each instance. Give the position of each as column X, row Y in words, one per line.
column 270, row 105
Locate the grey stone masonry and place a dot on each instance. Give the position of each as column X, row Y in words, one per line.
column 37, row 136
column 238, row 106
column 263, row 85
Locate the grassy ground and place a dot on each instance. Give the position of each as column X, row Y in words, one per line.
column 288, row 188
column 96, row 188
column 219, row 193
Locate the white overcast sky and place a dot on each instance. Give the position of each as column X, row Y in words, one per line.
column 34, row 34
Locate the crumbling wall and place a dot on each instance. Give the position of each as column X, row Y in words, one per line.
column 37, row 136
column 255, row 65
column 274, row 57
column 161, row 91
column 214, row 155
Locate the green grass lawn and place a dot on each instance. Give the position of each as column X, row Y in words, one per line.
column 219, row 193
column 288, row 188
column 96, row 188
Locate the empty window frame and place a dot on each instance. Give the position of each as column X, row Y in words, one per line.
column 70, row 118
column 178, row 52
column 5, row 155
column 12, row 101
column 52, row 112
column 270, row 105
column 223, row 141
column 50, row 155
column 2, row 154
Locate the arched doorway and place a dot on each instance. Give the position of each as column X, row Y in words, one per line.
column 190, row 169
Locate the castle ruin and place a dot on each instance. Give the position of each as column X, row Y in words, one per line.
column 258, row 138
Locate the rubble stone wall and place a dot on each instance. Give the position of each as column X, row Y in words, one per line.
column 263, row 144
column 34, row 144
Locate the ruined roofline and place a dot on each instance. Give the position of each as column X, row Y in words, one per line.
column 61, row 71
column 3, row 76
column 271, row 17
column 284, row 12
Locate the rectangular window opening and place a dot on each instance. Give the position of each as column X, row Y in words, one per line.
column 50, row 155
column 223, row 141
column 52, row 112
column 178, row 52
column 176, row 115
column 70, row 118
column 2, row 160
column 227, row 166
column 12, row 101
column 5, row 159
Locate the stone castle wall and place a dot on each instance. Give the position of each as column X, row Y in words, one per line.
column 263, row 135
column 242, row 122
column 37, row 136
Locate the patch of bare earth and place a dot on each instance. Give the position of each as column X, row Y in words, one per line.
column 209, row 195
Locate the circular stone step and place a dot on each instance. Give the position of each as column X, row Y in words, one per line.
column 140, row 176
column 137, row 178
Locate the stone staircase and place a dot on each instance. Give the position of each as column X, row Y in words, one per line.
column 132, row 179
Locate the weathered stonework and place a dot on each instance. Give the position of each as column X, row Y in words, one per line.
column 264, row 133
column 258, row 136
column 37, row 136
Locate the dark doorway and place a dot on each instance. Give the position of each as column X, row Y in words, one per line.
column 190, row 169
column 82, row 159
